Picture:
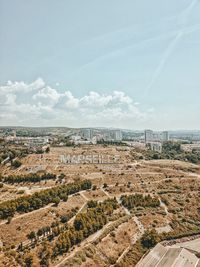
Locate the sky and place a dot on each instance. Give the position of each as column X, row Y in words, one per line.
column 132, row 64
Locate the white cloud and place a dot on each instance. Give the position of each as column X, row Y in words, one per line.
column 95, row 100
column 12, row 87
column 10, row 99
column 47, row 95
column 39, row 104
column 71, row 102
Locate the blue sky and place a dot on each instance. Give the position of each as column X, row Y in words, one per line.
column 129, row 64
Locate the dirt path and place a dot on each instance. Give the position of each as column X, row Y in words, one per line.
column 163, row 205
column 105, row 192
column 80, row 210
column 82, row 194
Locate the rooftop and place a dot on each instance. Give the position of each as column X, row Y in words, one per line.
column 161, row 256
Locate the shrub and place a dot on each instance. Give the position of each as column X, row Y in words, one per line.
column 150, row 239
column 16, row 163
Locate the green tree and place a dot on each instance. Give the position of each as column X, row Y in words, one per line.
column 16, row 163
column 47, row 149
column 150, row 238
column 56, row 201
column 32, row 236
column 105, row 185
column 28, row 261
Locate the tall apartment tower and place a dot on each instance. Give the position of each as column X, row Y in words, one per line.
column 165, row 136
column 87, row 134
column 148, row 136
column 118, row 135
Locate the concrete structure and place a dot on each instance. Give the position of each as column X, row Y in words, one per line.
column 190, row 147
column 151, row 136
column 161, row 256
column 192, row 245
column 87, row 134
column 165, row 136
column 92, row 141
column 148, row 135
column 112, row 136
column 156, row 146
column 75, row 138
column 118, row 135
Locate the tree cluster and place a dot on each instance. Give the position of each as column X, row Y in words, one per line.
column 138, row 200
column 150, row 238
column 179, row 233
column 40, row 199
column 6, row 151
column 172, row 150
column 16, row 163
column 85, row 224
column 31, row 178
column 53, row 230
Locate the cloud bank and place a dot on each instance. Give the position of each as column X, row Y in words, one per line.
column 38, row 104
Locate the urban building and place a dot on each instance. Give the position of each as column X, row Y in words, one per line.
column 165, row 136
column 92, row 141
column 156, row 146
column 161, row 256
column 118, row 135
column 112, row 136
column 148, row 136
column 151, row 136
column 75, row 138
column 87, row 134
column 190, row 147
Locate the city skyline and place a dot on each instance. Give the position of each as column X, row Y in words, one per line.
column 130, row 65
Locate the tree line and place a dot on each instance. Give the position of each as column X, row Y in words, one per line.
column 138, row 200
column 172, row 150
column 52, row 230
column 85, row 224
column 31, row 177
column 40, row 199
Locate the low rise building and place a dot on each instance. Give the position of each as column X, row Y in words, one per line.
column 161, row 256
column 155, row 146
column 190, row 147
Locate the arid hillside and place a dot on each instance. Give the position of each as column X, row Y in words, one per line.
column 94, row 214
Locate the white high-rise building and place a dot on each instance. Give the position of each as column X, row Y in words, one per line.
column 118, row 135
column 112, row 136
column 87, row 134
column 148, row 136
column 165, row 136
column 151, row 136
